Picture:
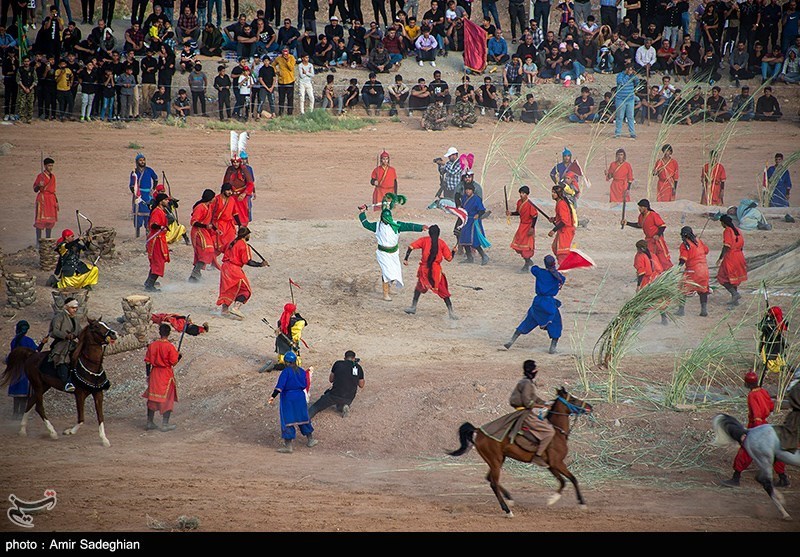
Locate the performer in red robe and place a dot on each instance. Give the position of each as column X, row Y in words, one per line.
column 653, row 227
column 224, row 218
column 666, row 169
column 429, row 274
column 524, row 242
column 203, row 236
column 732, row 265
column 46, row 200
column 234, row 287
column 713, row 182
column 157, row 248
column 384, row 180
column 647, row 269
column 565, row 221
column 243, row 185
column 620, row 172
column 161, row 393
column 693, row 252
column 178, row 323
column 759, row 407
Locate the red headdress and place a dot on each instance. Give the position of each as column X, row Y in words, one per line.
column 286, row 316
column 777, row 313
column 64, row 234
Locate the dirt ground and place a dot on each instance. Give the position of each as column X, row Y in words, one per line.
column 641, row 467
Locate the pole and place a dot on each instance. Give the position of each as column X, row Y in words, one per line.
column 183, row 332
column 258, row 254
column 505, row 195
column 535, row 206
column 766, row 300
column 169, row 193
column 78, row 218
column 291, row 290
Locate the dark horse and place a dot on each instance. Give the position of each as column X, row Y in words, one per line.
column 87, row 362
column 495, row 453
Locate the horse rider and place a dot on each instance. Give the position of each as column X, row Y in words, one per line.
column 524, row 395
column 64, row 330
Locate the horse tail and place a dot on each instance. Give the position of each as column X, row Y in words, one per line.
column 465, row 434
column 727, row 430
column 15, row 365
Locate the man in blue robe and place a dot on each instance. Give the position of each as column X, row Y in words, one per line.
column 143, row 182
column 783, row 186
column 293, row 405
column 544, row 312
column 472, row 235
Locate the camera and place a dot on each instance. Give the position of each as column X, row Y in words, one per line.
column 357, row 360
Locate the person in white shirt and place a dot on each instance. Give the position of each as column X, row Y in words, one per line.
column 667, row 90
column 245, row 88
column 646, row 57
column 305, row 70
column 589, row 27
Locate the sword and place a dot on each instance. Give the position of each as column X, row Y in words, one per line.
column 281, row 334
column 535, row 206
column 154, row 234
column 183, row 332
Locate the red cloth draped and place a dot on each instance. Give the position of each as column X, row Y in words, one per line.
column 439, row 285
column 523, row 242
column 563, row 238
column 232, row 280
column 202, row 238
column 46, row 201
column 161, row 392
column 646, row 268
column 223, row 210
column 667, row 176
column 712, row 185
column 650, row 223
column 157, row 249
column 696, row 266
column 244, row 187
column 386, row 178
column 759, row 407
column 733, row 267
column 474, row 46
column 621, row 174
column 286, row 318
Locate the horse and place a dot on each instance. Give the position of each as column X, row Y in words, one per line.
column 495, row 452
column 763, row 446
column 91, row 379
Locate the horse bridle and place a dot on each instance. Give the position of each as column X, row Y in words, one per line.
column 107, row 338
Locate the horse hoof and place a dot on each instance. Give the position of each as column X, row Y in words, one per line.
column 67, row 431
column 106, row 443
column 509, row 514
column 23, row 433
column 510, row 502
column 787, row 517
column 553, row 499
column 54, row 436
column 583, row 506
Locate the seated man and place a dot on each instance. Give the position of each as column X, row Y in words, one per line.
column 393, row 44
column 349, row 99
column 426, row 46
column 665, row 57
column 188, row 28
column 181, row 107
column 530, row 110
column 435, row 116
column 212, row 41
column 771, row 65
column 497, row 49
column 744, row 105
column 464, row 112
column 372, row 93
column 487, row 96
column 420, row 96
column 767, row 107
column 606, row 110
column 646, row 58
column 652, row 105
column 717, row 107
column 159, row 103
column 605, row 61
column 738, row 63
column 398, row 95
column 134, row 40
column 512, row 76
column 323, row 53
column 379, row 59
column 584, row 110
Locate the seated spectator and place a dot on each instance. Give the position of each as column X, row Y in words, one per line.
column 646, row 57
column 410, row 33
column 466, row 88
column 571, row 67
column 604, row 62
column 771, row 65
column 652, row 105
column 529, row 71
column 340, row 57
column 440, row 89
column 709, row 67
column 606, row 109
column 159, row 102
column 526, row 47
column 464, row 112
column 791, row 69
column 512, row 76
column 665, row 57
column 187, row 56
column 435, row 116
column 739, row 63
column 426, row 46
column 717, row 107
column 756, row 56
column 356, row 56
column 372, row 94
column 487, row 96
column 373, row 36
column 134, row 40
column 497, row 49
column 246, row 42
column 584, row 109
column 694, row 109
column 357, row 36
column 349, row 99
column 530, row 110
column 233, row 31
column 188, row 28
column 589, row 28
column 393, row 44
column 289, row 37
column 552, row 65
column 504, row 112
column 308, row 43
column 588, row 54
column 683, row 65
column 652, row 32
column 181, row 107
column 667, row 90
column 379, row 59
column 334, row 30
column 420, row 96
column 323, row 54
column 398, row 95
column 767, row 107
column 212, row 41
column 744, row 105
column 626, row 28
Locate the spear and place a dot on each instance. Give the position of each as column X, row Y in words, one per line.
column 183, row 332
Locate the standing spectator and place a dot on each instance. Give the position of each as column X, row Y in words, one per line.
column 266, row 79
column 88, row 78
column 246, row 82
column 10, row 87
column 789, row 30
column 541, row 13
column 284, row 69
column 489, row 7
column 108, row 11
column 305, row 72
column 222, row 83
column 347, row 376
column 309, row 13
column 627, row 83
column 64, row 78
column 768, row 24
column 126, row 83
column 608, row 13
column 582, row 10
column 372, row 93
column 516, row 13
column 108, row 93
column 166, row 68
column 27, row 81
column 198, row 83
column 149, row 68
column 767, row 107
column 328, row 93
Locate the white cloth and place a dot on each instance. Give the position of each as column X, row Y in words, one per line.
column 391, row 269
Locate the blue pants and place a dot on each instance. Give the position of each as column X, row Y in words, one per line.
column 108, row 108
column 624, row 111
column 289, row 432
column 775, row 69
column 574, row 118
column 543, row 313
column 210, row 11
column 490, row 7
column 541, row 14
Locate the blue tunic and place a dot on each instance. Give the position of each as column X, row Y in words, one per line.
column 21, row 387
column 469, row 236
column 780, row 196
column 544, row 311
column 147, row 181
column 293, row 408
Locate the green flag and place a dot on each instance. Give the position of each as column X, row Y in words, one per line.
column 22, row 39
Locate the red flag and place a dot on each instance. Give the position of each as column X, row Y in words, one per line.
column 576, row 259
column 475, row 47
column 456, row 211
column 294, row 283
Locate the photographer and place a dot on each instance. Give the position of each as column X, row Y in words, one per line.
column 450, row 174
column 346, row 377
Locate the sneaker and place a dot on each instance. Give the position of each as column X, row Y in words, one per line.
column 69, row 387
column 483, row 111
column 421, row 63
column 167, row 427
column 433, row 63
column 5, row 118
column 345, row 411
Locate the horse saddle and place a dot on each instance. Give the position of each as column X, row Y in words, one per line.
column 526, row 440
column 47, row 367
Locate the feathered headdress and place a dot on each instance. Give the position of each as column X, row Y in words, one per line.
column 466, row 160
column 238, row 143
column 391, row 199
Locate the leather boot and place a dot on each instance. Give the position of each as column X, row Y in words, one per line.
column 681, row 311
column 510, row 343
column 783, row 481
column 703, row 309
column 734, row 481
column 386, row 296
column 195, row 275
column 287, row 446
column 553, row 345
column 413, row 309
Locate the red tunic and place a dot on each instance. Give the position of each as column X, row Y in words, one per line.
column 621, row 174
column 232, row 280
column 386, row 179
column 712, row 180
column 733, row 267
column 203, row 238
column 524, row 242
column 563, row 240
column 46, row 201
column 696, row 270
column 161, row 392
column 646, row 268
column 157, row 250
column 759, row 407
column 650, row 223
column 667, row 173
column 223, row 209
column 424, row 271
column 243, row 188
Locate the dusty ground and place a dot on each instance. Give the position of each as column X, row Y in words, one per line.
column 642, row 468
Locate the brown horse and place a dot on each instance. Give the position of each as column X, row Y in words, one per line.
column 495, row 452
column 87, row 363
